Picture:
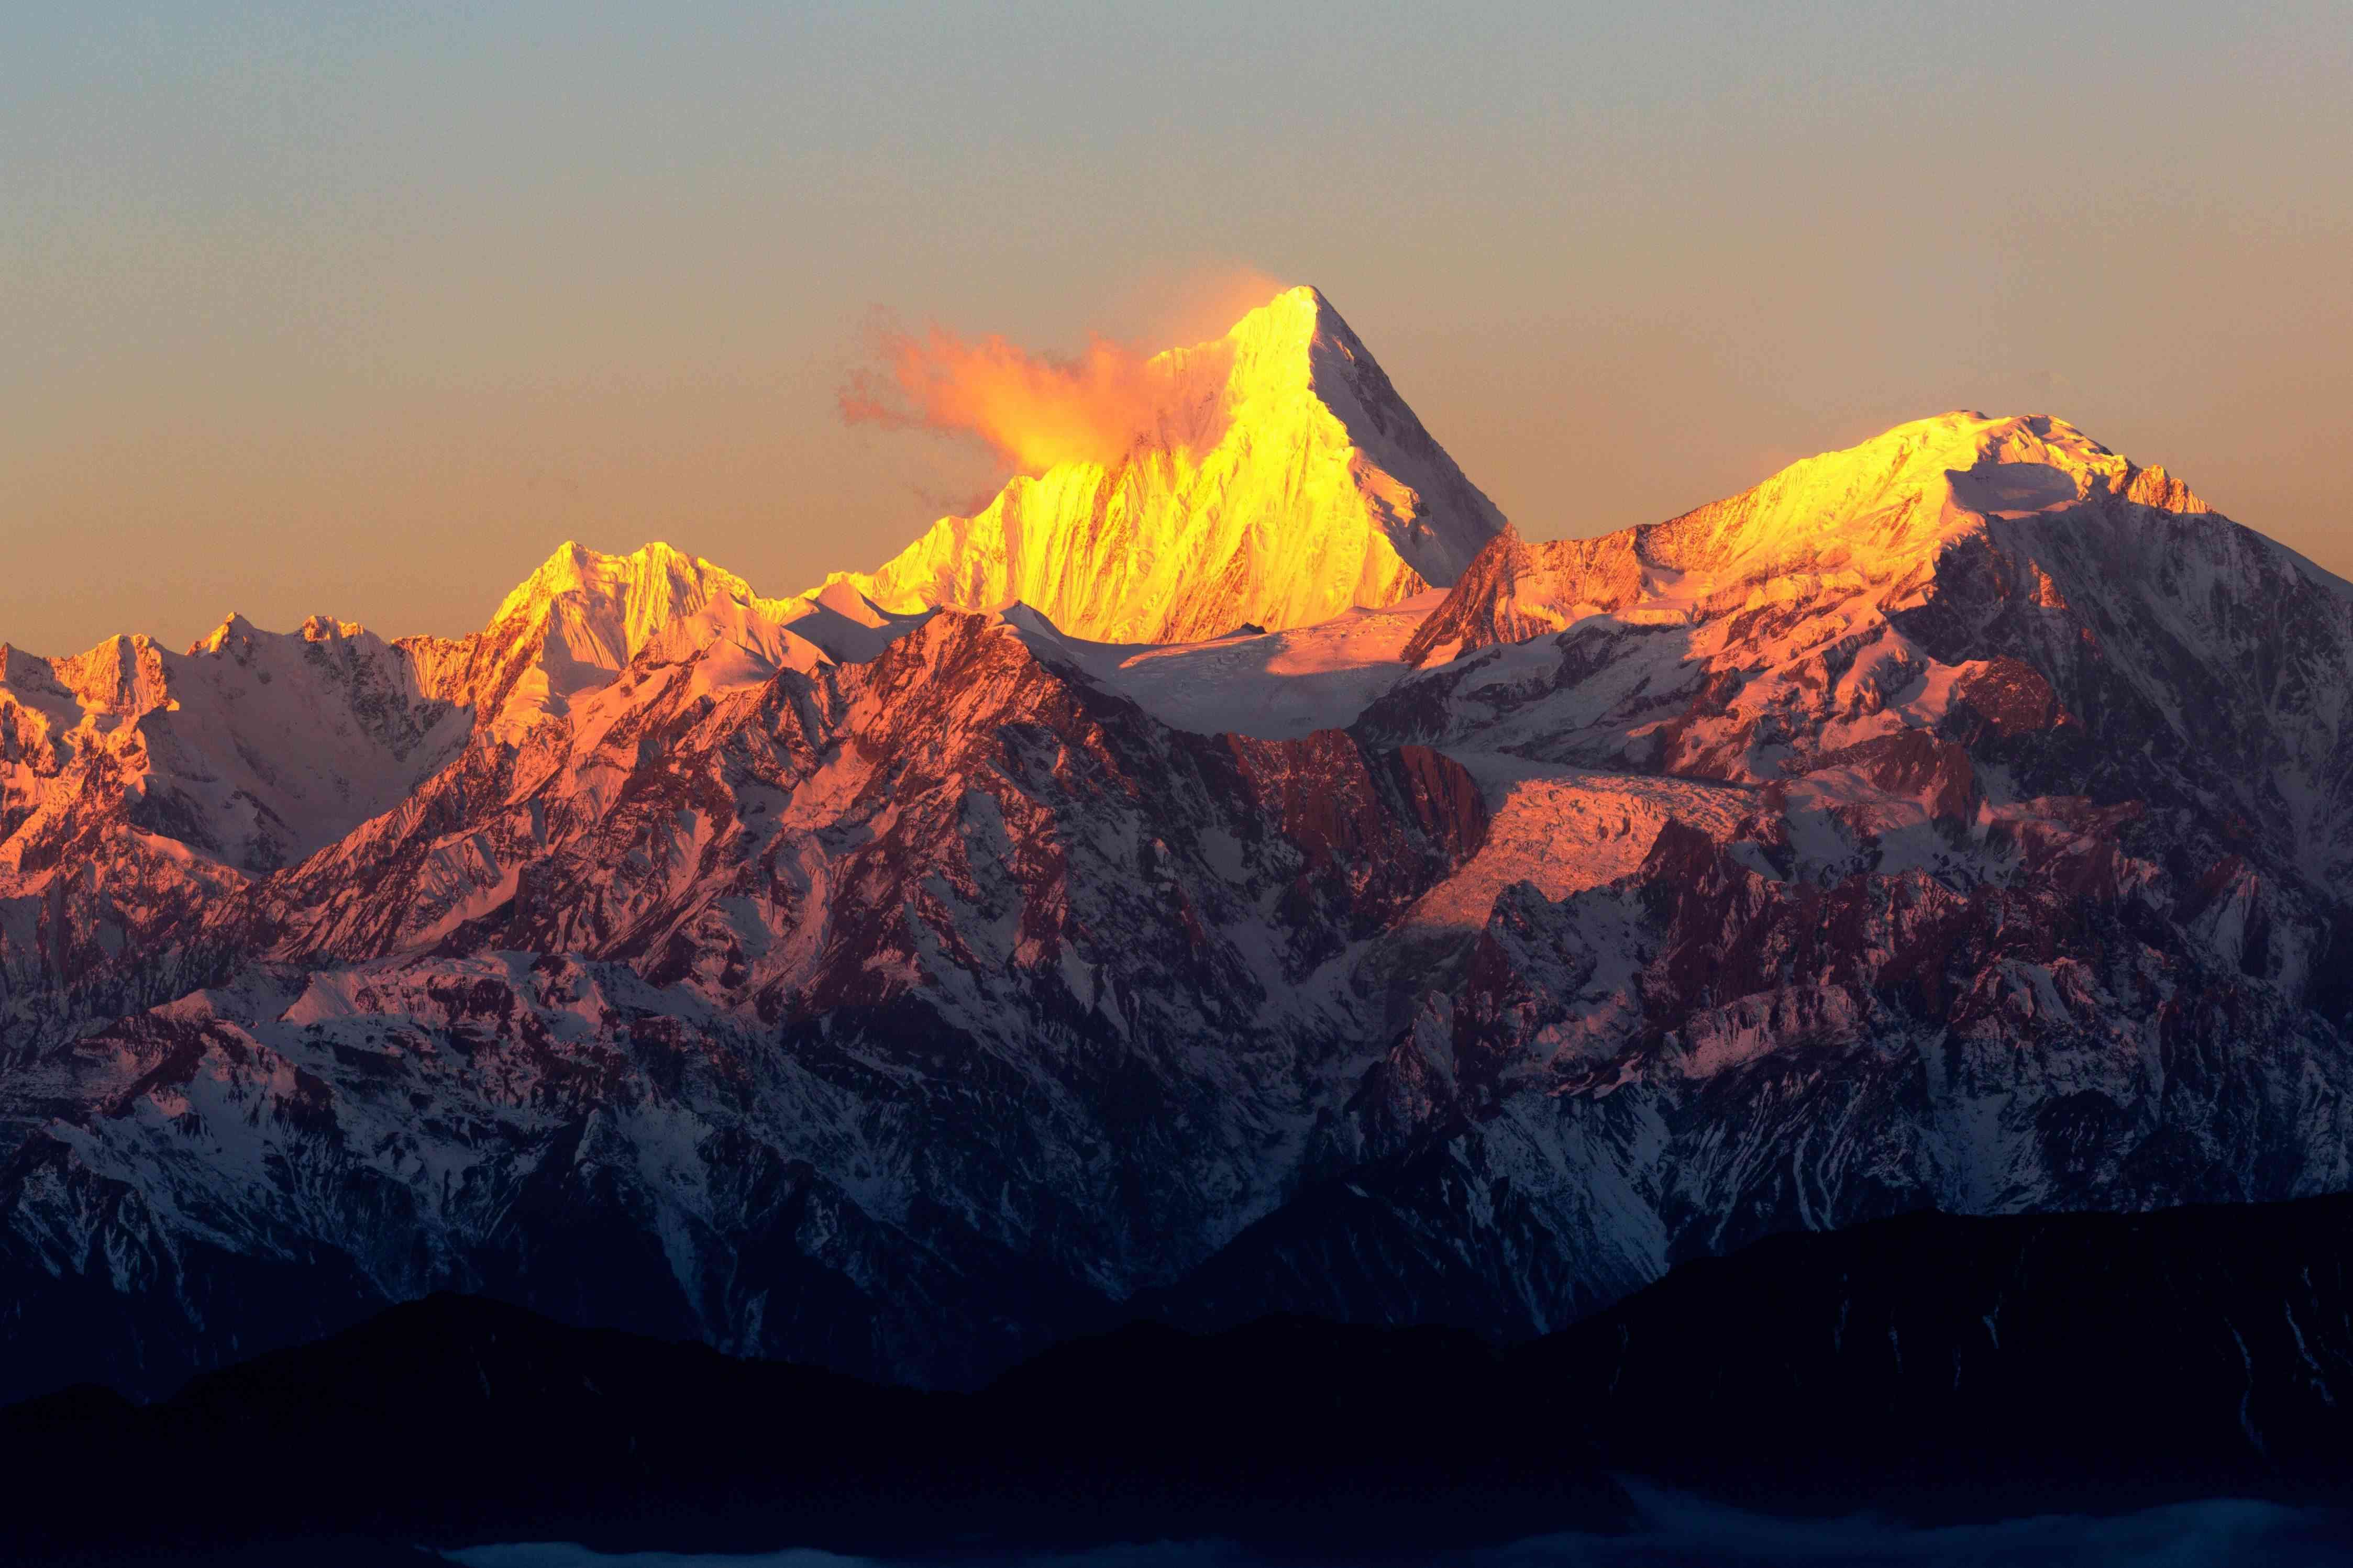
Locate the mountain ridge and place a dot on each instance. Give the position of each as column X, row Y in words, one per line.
column 1934, row 825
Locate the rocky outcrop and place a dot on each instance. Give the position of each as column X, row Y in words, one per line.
column 1513, row 591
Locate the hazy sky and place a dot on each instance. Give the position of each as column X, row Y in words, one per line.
column 322, row 308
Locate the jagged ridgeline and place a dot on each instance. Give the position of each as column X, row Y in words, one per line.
column 1242, row 877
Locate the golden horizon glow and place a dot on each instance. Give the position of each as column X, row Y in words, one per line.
column 360, row 312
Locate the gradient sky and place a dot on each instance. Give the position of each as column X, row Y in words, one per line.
column 321, row 307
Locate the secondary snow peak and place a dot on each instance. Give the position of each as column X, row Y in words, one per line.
column 610, row 606
column 1878, row 507
column 578, row 620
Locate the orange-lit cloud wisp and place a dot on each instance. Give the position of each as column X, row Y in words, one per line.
column 1034, row 410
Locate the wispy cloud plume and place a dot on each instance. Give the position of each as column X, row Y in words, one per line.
column 1034, row 410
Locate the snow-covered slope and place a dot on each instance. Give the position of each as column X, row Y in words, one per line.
column 1269, row 685
column 2006, row 584
column 251, row 748
column 1287, row 483
column 139, row 786
column 136, row 784
column 1959, row 821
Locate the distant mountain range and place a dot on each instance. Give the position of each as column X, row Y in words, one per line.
column 1246, row 878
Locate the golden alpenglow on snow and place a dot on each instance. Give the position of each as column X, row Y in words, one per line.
column 1283, row 483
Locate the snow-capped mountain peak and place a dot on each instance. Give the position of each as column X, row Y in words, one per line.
column 571, row 626
column 251, row 748
column 1871, row 520
column 1283, row 482
column 904, row 974
column 1877, row 507
column 605, row 608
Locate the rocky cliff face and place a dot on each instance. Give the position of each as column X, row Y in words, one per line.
column 1513, row 591
column 1955, row 822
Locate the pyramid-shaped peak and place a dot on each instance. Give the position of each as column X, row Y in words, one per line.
column 849, row 603
column 1293, row 319
column 233, row 628
column 1286, row 483
column 1297, row 344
